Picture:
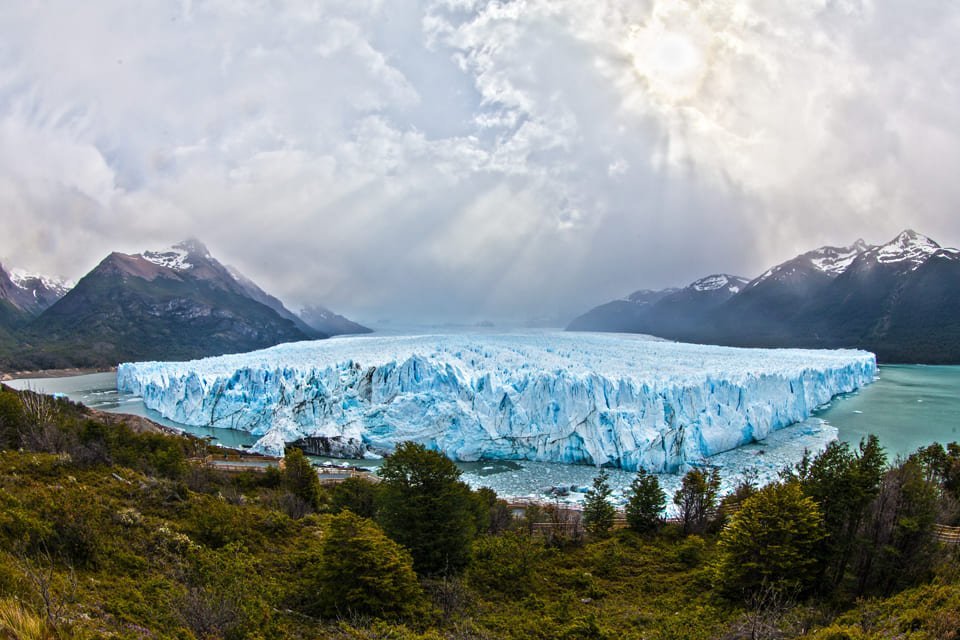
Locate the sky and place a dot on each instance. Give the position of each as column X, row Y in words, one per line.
column 458, row 160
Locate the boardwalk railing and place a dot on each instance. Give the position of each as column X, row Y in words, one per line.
column 230, row 462
column 945, row 534
column 335, row 475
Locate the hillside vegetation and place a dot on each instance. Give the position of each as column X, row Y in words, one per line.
column 105, row 532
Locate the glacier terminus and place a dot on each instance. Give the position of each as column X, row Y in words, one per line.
column 620, row 400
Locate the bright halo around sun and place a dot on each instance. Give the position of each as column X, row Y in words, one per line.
column 670, row 57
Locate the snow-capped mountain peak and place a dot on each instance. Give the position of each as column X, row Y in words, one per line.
column 28, row 280
column 178, row 257
column 835, row 260
column 909, row 246
column 719, row 281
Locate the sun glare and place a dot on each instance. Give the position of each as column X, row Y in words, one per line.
column 671, row 64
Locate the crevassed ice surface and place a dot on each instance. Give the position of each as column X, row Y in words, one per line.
column 625, row 400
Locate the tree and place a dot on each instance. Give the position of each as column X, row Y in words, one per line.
column 361, row 572
column 697, row 499
column 897, row 546
column 598, row 513
column 941, row 467
column 771, row 542
column 646, row 503
column 423, row 505
column 300, row 478
column 357, row 495
column 843, row 484
column 492, row 514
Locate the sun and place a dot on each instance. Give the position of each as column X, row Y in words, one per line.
column 670, row 62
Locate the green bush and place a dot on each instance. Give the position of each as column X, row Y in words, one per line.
column 697, row 499
column 505, row 563
column 361, row 572
column 691, row 551
column 357, row 495
column 300, row 478
column 771, row 541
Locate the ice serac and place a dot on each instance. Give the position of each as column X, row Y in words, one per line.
column 622, row 400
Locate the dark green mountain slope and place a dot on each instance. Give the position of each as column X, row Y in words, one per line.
column 178, row 304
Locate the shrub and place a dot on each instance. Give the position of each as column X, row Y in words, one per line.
column 300, row 478
column 772, row 540
column 691, row 551
column 505, row 563
column 362, row 572
column 357, row 495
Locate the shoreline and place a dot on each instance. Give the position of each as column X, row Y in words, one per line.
column 53, row 373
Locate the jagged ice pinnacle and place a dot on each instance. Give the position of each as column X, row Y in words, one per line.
column 624, row 400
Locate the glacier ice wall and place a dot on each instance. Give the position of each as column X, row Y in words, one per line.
column 624, row 400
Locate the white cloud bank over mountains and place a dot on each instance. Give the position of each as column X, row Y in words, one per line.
column 461, row 159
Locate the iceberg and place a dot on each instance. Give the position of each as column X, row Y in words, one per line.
column 619, row 400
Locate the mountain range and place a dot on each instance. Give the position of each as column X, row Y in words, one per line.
column 900, row 300
column 178, row 303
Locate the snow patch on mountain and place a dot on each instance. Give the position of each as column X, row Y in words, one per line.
column 909, row 246
column 621, row 400
column 172, row 258
column 28, row 281
column 178, row 257
column 835, row 260
column 719, row 281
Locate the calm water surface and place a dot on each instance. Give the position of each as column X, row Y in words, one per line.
column 909, row 406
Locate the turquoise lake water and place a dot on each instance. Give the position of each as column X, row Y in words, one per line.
column 909, row 406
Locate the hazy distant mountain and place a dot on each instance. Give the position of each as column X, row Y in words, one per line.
column 679, row 312
column 623, row 315
column 253, row 291
column 322, row 319
column 900, row 300
column 178, row 303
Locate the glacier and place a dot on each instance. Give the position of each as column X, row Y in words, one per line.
column 619, row 400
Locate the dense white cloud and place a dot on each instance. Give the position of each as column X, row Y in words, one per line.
column 467, row 159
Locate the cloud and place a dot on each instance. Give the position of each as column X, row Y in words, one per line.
column 451, row 159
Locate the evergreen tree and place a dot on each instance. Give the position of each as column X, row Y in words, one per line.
column 423, row 505
column 300, row 478
column 598, row 513
column 771, row 542
column 361, row 571
column 646, row 502
column 697, row 499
